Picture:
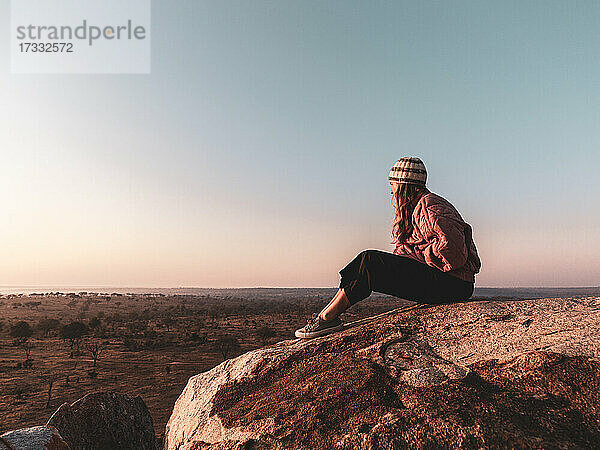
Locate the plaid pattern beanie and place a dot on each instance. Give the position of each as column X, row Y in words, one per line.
column 409, row 170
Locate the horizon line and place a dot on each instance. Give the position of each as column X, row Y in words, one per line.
column 72, row 286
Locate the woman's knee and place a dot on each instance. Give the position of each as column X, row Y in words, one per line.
column 371, row 262
column 367, row 255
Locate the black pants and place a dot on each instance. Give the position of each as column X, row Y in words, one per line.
column 400, row 276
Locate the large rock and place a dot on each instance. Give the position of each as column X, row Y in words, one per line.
column 483, row 374
column 105, row 420
column 34, row 438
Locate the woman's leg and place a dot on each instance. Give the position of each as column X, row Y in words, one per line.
column 357, row 276
column 374, row 270
column 401, row 276
column 336, row 306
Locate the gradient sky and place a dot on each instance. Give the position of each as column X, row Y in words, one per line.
column 257, row 151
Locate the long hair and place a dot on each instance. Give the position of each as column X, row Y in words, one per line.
column 404, row 204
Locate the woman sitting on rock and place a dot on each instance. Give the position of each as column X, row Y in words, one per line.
column 435, row 259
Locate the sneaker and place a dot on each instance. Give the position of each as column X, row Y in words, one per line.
column 318, row 327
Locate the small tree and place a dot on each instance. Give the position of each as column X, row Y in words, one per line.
column 94, row 348
column 73, row 332
column 46, row 325
column 21, row 330
column 264, row 334
column 95, row 323
column 226, row 345
column 49, row 379
column 27, row 346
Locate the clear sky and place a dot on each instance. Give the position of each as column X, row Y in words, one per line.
column 257, row 151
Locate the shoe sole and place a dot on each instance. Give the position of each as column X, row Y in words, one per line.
column 314, row 334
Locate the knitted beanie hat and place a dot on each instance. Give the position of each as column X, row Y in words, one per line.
column 409, row 170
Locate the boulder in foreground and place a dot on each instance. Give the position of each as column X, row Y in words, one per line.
column 105, row 420
column 475, row 374
column 33, row 438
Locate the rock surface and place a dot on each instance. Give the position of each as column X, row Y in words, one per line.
column 34, row 438
column 469, row 375
column 105, row 420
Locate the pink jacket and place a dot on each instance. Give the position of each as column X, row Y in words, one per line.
column 441, row 238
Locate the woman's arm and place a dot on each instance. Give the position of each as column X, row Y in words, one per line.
column 448, row 249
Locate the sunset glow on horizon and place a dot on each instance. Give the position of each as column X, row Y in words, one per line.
column 257, row 151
